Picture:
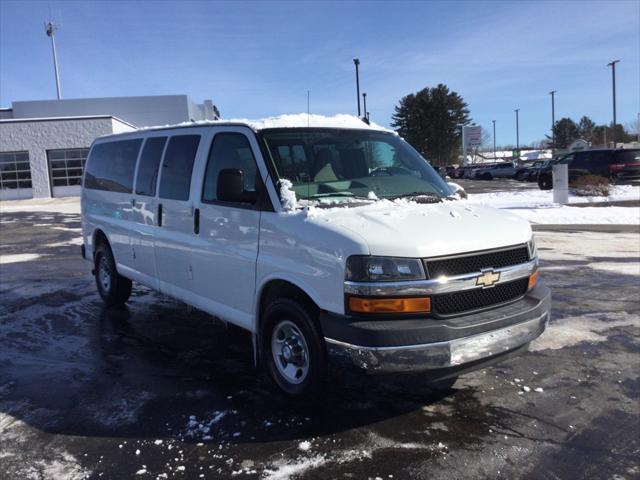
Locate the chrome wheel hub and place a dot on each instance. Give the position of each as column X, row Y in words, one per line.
column 290, row 352
column 104, row 274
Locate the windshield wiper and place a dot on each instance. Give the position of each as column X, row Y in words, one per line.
column 419, row 197
column 337, row 194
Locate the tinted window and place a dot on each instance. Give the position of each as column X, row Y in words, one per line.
column 229, row 150
column 148, row 168
column 175, row 181
column 580, row 160
column 599, row 162
column 111, row 166
column 627, row 156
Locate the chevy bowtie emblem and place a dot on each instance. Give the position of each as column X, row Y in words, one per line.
column 488, row 278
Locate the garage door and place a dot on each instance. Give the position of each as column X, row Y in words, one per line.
column 65, row 170
column 15, row 176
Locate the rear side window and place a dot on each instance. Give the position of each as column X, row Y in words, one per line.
column 175, row 181
column 229, row 150
column 627, row 156
column 111, row 166
column 149, row 163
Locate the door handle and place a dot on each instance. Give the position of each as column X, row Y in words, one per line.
column 159, row 220
column 196, row 221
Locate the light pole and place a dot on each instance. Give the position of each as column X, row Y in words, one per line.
column 356, row 62
column 517, row 110
column 494, row 140
column 50, row 28
column 613, row 81
column 553, row 121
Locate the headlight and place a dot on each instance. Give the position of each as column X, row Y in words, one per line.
column 362, row 268
column 531, row 245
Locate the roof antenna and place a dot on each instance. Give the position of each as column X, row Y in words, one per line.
column 308, row 109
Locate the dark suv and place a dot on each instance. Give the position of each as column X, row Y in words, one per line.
column 616, row 165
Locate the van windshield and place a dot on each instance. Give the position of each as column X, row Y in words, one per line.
column 343, row 163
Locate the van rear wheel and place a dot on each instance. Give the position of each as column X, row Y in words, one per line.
column 294, row 353
column 112, row 287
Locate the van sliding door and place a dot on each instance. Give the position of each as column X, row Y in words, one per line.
column 174, row 215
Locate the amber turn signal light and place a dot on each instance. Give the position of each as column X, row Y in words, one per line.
column 533, row 278
column 389, row 305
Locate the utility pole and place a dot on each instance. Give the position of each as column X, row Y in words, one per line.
column 613, row 81
column 553, row 122
column 356, row 62
column 50, row 29
column 494, row 140
column 517, row 110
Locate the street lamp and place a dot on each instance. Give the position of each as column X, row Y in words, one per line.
column 517, row 110
column 613, row 81
column 553, row 121
column 356, row 62
column 50, row 29
column 494, row 140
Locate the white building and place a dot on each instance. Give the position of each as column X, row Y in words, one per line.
column 44, row 143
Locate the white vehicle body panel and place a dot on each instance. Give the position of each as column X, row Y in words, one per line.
column 225, row 267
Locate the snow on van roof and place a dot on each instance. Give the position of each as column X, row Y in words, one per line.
column 300, row 120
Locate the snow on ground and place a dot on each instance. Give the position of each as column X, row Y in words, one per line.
column 54, row 205
column 537, row 206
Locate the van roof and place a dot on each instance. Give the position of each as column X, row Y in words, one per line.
column 301, row 120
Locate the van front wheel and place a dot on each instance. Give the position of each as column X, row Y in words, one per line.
column 112, row 287
column 294, row 353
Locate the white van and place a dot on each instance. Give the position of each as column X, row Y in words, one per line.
column 326, row 238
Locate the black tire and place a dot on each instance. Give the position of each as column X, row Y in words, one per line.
column 443, row 385
column 112, row 287
column 487, row 176
column 285, row 313
column 545, row 182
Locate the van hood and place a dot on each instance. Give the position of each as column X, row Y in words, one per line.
column 403, row 228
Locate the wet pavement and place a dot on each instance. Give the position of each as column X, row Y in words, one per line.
column 160, row 390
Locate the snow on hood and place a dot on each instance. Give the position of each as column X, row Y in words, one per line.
column 299, row 120
column 408, row 229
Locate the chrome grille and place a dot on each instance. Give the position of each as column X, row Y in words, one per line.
column 458, row 302
column 475, row 262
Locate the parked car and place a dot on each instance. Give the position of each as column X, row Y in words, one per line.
column 618, row 165
column 501, row 170
column 524, row 171
column 218, row 216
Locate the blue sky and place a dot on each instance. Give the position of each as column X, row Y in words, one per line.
column 259, row 58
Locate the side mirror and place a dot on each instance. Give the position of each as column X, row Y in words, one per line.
column 231, row 187
column 457, row 190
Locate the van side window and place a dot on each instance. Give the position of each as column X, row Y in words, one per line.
column 175, row 181
column 111, row 166
column 229, row 150
column 149, row 163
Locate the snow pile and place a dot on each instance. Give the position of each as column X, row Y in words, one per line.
column 287, row 195
column 303, row 120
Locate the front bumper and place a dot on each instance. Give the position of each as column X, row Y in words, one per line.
column 442, row 345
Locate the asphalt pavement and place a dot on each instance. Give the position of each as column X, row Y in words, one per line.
column 160, row 390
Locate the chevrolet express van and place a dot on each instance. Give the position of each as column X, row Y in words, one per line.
column 328, row 239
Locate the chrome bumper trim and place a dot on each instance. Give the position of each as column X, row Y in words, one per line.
column 437, row 286
column 457, row 352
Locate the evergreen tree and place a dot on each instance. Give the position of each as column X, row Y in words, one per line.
column 430, row 121
column 586, row 128
column 565, row 131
